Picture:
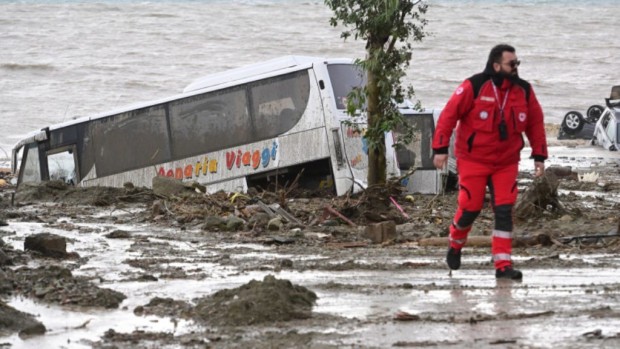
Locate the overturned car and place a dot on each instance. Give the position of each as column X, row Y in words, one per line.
column 600, row 125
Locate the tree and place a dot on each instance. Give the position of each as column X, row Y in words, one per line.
column 389, row 28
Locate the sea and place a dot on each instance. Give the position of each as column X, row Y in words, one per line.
column 65, row 59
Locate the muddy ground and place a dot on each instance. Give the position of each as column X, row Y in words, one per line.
column 289, row 268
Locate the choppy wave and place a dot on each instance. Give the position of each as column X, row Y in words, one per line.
column 20, row 66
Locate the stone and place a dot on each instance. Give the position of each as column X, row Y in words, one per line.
column 167, row 186
column 234, row 223
column 275, row 224
column 214, row 223
column 47, row 244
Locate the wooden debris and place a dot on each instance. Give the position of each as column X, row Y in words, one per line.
column 485, row 241
column 405, row 316
column 540, row 196
column 328, row 210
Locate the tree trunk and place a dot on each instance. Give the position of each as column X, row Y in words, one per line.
column 376, row 148
column 540, row 196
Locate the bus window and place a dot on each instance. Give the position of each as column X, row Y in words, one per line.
column 344, row 78
column 61, row 166
column 418, row 153
column 131, row 140
column 31, row 171
column 209, row 122
column 278, row 103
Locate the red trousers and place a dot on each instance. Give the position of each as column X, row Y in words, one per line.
column 502, row 183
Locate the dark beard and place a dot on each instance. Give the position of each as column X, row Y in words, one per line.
column 498, row 78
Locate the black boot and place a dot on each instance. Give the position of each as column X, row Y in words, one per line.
column 508, row 273
column 453, row 258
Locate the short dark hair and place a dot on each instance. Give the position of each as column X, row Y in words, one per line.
column 495, row 56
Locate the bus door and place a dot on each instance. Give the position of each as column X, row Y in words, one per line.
column 356, row 152
column 330, row 80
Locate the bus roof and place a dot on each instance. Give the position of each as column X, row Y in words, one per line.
column 273, row 65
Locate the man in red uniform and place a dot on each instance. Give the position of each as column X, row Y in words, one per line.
column 490, row 110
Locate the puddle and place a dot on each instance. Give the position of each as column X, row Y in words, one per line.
column 579, row 157
column 71, row 329
column 611, row 197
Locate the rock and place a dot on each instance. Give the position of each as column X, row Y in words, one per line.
column 32, row 330
column 562, row 171
column 13, row 320
column 4, row 259
column 260, row 219
column 164, row 307
column 6, row 284
column 405, row 228
column 167, row 186
column 275, row 223
column 47, row 244
column 214, row 223
column 234, row 223
column 118, row 234
column 286, row 263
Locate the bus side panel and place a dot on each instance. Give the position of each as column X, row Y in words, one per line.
column 231, row 164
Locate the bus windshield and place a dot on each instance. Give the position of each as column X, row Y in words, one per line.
column 344, row 78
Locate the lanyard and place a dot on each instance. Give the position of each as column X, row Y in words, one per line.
column 501, row 107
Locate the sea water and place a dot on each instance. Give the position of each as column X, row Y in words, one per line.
column 64, row 59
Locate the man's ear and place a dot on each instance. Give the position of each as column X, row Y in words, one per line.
column 496, row 67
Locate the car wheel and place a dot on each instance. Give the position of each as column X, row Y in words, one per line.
column 573, row 122
column 594, row 112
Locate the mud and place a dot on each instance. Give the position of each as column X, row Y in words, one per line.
column 146, row 270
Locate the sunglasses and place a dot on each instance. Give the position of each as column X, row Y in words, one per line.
column 514, row 63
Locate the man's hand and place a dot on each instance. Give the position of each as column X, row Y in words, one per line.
column 440, row 160
column 539, row 168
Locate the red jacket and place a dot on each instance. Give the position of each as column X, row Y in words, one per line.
column 476, row 108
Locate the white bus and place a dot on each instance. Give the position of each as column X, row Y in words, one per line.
column 228, row 131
